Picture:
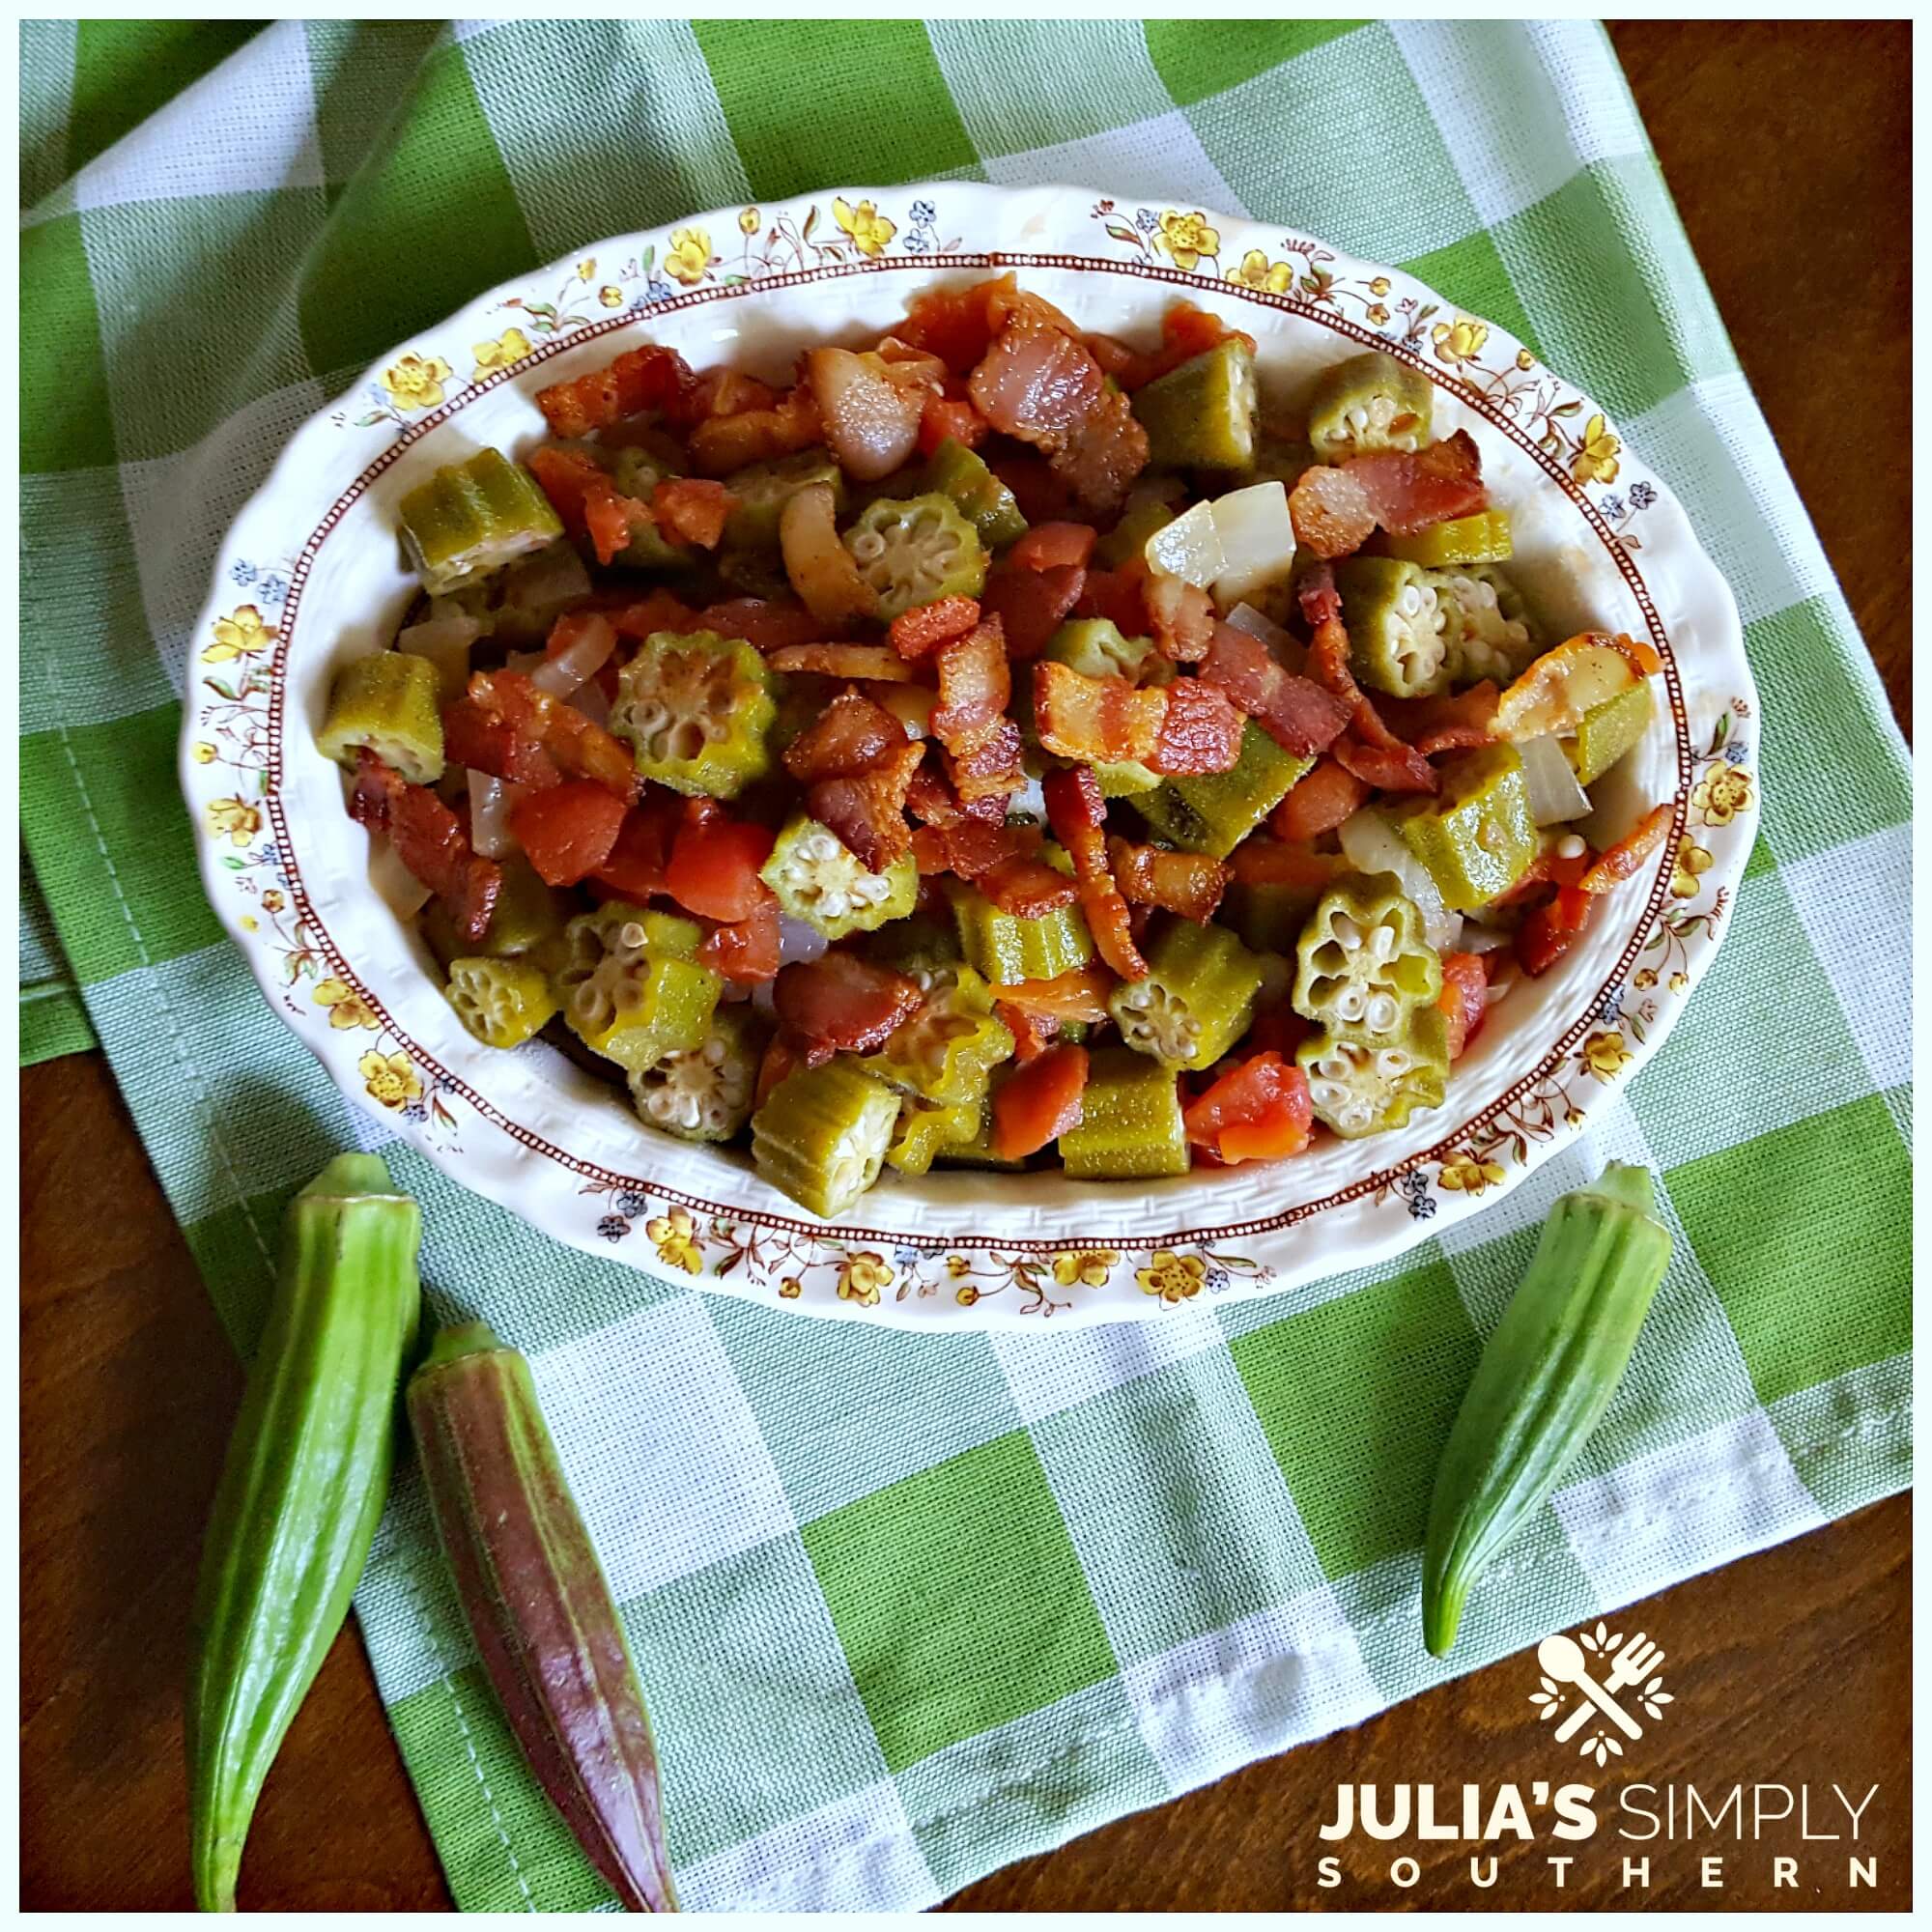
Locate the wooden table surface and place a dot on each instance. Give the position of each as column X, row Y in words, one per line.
column 1786, row 147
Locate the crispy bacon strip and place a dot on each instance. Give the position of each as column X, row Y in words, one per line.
column 866, row 809
column 851, row 734
column 579, row 747
column 763, row 625
column 1334, row 508
column 841, row 1004
column 650, row 378
column 1031, row 604
column 1301, row 716
column 975, row 686
column 1079, row 817
column 1450, row 721
column 1095, row 719
column 691, row 510
column 1368, row 748
column 1182, row 617
column 483, row 742
column 1625, row 858
column 1102, row 456
column 1199, row 730
column 933, row 801
column 1187, row 883
column 917, row 632
column 429, row 839
column 1003, row 862
column 874, row 660
column 992, row 771
column 720, row 444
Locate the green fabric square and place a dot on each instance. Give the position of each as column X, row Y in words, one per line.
column 53, row 1023
column 125, row 70
column 1601, row 316
column 425, row 225
column 1356, row 1396
column 925, row 1581
column 115, row 857
column 362, row 73
column 1144, row 1473
column 1374, row 128
column 47, row 94
column 1008, row 80
column 1197, row 58
column 849, row 72
column 1762, row 857
column 235, row 1248
column 65, row 423
column 1470, row 273
column 1820, row 728
column 1807, row 1235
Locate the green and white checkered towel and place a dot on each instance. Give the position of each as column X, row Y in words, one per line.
column 908, row 1608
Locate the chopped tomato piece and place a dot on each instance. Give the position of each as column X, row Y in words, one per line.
column 1269, row 862
column 841, row 1004
column 917, row 632
column 1466, row 999
column 590, row 505
column 1078, row 995
column 949, row 414
column 1320, row 801
column 746, row 951
column 568, row 831
column 645, row 616
column 951, row 323
column 1259, row 1110
column 1118, row 596
column 1189, row 884
column 1045, row 545
column 781, row 1060
column 714, row 869
column 1553, row 928
column 1032, row 1033
column 1625, row 858
column 634, row 869
column 1039, row 1102
column 1031, row 604
column 429, row 839
column 688, row 509
column 763, row 625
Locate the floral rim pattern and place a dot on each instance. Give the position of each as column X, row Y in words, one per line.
column 232, row 752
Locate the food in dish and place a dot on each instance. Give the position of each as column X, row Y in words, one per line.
column 999, row 745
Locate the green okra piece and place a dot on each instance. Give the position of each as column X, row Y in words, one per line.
column 1610, row 730
column 630, row 989
column 695, row 709
column 1201, row 415
column 1485, row 626
column 823, row 1133
column 1476, row 837
column 818, row 880
column 916, row 550
column 1369, row 402
column 1481, row 538
column 1196, row 999
column 922, row 946
column 762, row 489
column 389, row 703
column 1280, row 460
column 502, row 1001
column 946, row 1053
column 705, row 1092
column 1363, row 1085
column 1153, row 503
column 980, row 496
column 1214, row 812
column 928, row 1128
column 1547, row 1374
column 528, row 917
column 1094, row 647
column 1004, row 948
column 637, row 472
column 976, row 1151
column 474, row 517
column 1130, row 1127
column 1362, row 963
column 1395, row 630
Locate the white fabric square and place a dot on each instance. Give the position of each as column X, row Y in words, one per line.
column 1161, row 159
column 1052, row 1369
column 1707, row 1500
column 247, row 127
column 656, row 1392
column 1829, row 893
column 1274, row 1679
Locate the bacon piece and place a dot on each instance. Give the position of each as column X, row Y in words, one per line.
column 1095, row 719
column 872, row 661
column 851, row 734
column 719, row 391
column 690, row 510
column 917, row 632
column 1319, row 801
column 1182, row 617
column 841, row 1004
column 933, row 801
column 1335, row 507
column 1298, row 714
column 1625, row 858
column 579, row 747
column 720, row 444
column 1187, row 883
column 1199, row 730
column 587, row 501
column 1079, row 817
column 1003, row 862
column 1031, row 604
column 475, row 738
column 992, row 771
column 866, row 809
column 1037, row 384
column 1118, row 596
column 1045, row 545
column 1368, row 748
column 429, row 839
column 1032, row 1033
column 1103, row 455
column 763, row 625
column 975, row 686
column 1450, row 721
column 650, row 378
column 1043, row 496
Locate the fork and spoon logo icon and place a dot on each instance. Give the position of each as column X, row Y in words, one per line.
column 1634, row 1662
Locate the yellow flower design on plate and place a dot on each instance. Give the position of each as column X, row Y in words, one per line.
column 345, row 1005
column 748, row 221
column 1174, row 1278
column 862, row 1277
column 273, row 901
column 1089, row 1268
column 611, row 295
column 1377, row 313
column 1721, row 793
column 675, row 1236
column 1380, row 286
column 1643, row 980
column 391, row 1079
column 1257, row 272
column 204, row 754
column 1595, row 458
column 1691, row 860
column 242, row 634
column 1679, row 980
column 688, row 256
column 1605, row 1055
column 416, row 382
column 869, row 229
column 512, row 346
column 234, row 817
column 1459, row 341
column 967, row 1296
column 1187, row 238
column 586, row 268
column 790, row 1288
column 1466, row 1175
column 1524, row 361
column 957, row 1265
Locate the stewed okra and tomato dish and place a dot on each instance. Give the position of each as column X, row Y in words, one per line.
column 1000, row 745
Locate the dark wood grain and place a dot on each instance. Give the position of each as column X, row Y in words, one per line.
column 1786, row 146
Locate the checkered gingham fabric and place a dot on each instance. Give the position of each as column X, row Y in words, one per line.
column 909, row 1606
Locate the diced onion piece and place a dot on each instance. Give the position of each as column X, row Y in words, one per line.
column 1284, row 647
column 798, row 941
column 581, row 660
column 1257, row 540
column 1189, row 548
column 393, row 883
column 490, row 803
column 445, row 643
column 1370, row 843
column 589, row 698
column 1554, row 795
column 525, row 663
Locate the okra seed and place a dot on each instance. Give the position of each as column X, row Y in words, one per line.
column 1569, row 847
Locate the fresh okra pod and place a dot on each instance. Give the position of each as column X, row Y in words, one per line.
column 1610, row 730
column 818, row 881
column 1395, row 640
column 946, row 1053
column 630, row 990
column 1485, row 624
column 1481, row 538
column 1201, row 415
